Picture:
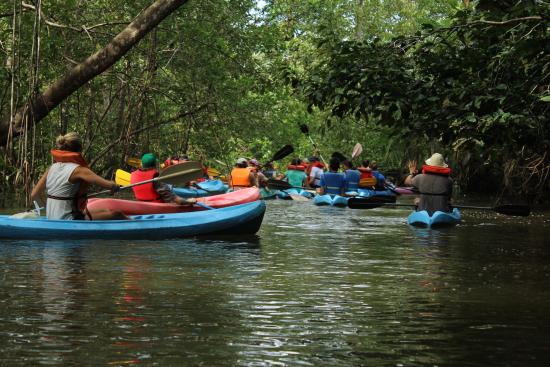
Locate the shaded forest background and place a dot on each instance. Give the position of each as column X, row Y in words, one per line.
column 219, row 79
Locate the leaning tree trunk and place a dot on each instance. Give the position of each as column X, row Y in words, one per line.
column 38, row 108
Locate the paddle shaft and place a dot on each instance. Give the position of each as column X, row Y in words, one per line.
column 160, row 178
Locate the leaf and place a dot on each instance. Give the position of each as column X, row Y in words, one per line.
column 545, row 99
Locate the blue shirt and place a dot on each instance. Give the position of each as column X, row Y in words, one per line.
column 352, row 179
column 380, row 179
column 333, row 183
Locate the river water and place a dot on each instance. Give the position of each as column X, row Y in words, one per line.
column 317, row 287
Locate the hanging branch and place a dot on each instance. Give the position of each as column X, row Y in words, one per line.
column 40, row 106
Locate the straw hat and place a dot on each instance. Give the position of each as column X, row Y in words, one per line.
column 436, row 160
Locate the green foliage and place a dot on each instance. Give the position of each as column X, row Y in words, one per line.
column 475, row 87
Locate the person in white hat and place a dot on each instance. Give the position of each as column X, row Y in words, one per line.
column 242, row 176
column 434, row 184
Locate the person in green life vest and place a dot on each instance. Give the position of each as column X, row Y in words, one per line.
column 295, row 174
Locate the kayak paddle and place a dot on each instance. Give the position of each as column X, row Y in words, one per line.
column 283, row 186
column 357, row 149
column 133, row 162
column 305, row 130
column 506, row 209
column 281, row 153
column 183, row 172
column 122, row 177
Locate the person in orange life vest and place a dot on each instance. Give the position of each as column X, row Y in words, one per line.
column 157, row 191
column 434, row 184
column 242, row 175
column 66, row 182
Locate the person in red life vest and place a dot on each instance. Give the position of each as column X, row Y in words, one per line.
column 434, row 184
column 170, row 161
column 242, row 175
column 157, row 191
column 366, row 179
column 66, row 182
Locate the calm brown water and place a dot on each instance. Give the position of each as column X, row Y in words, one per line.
column 316, row 287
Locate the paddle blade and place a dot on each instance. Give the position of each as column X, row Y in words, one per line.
column 133, row 162
column 514, row 210
column 278, row 184
column 304, row 129
column 181, row 173
column 357, row 149
column 122, row 178
column 213, row 172
column 283, row 152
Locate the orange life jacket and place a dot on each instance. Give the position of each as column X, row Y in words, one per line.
column 366, row 179
column 64, row 156
column 314, row 164
column 296, row 168
column 436, row 170
column 240, row 177
column 145, row 192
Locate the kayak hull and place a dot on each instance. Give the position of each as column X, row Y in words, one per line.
column 438, row 219
column 332, row 200
column 285, row 195
column 242, row 219
column 133, row 207
column 366, row 193
column 268, row 194
column 207, row 188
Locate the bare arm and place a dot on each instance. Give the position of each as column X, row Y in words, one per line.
column 86, row 175
column 39, row 188
column 253, row 180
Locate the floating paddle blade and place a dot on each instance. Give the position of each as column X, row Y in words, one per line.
column 361, row 203
column 357, row 149
column 283, row 152
column 304, row 129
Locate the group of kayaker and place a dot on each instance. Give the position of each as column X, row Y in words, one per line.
column 67, row 179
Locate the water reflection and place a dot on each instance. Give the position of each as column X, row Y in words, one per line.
column 316, row 286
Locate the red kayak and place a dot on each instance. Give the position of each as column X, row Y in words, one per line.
column 132, row 207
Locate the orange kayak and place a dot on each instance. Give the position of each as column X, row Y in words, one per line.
column 132, row 207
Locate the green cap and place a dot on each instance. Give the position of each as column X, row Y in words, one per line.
column 148, row 160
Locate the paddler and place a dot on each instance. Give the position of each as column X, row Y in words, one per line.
column 353, row 177
column 295, row 174
column 434, row 184
column 333, row 182
column 157, row 191
column 241, row 176
column 314, row 172
column 66, row 182
column 255, row 167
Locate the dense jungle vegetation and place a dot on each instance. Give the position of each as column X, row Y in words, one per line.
column 218, row 79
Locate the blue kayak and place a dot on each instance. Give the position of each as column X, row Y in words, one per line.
column 285, row 195
column 423, row 219
column 206, row 188
column 266, row 194
column 233, row 220
column 332, row 200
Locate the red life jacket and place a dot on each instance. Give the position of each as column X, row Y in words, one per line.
column 365, row 172
column 145, row 192
column 436, row 170
column 296, row 168
column 64, row 156
column 315, row 164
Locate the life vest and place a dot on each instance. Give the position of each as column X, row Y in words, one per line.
column 314, row 164
column 366, row 179
column 296, row 167
column 240, row 177
column 352, row 179
column 145, row 192
column 80, row 200
column 436, row 170
column 333, row 182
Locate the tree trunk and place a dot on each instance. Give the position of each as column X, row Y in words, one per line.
column 38, row 108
